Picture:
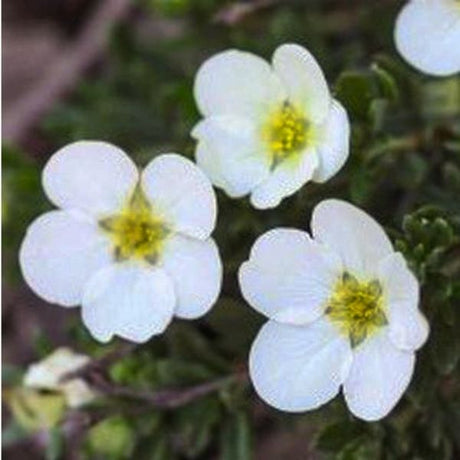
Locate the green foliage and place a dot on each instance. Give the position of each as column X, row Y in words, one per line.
column 112, row 438
column 404, row 169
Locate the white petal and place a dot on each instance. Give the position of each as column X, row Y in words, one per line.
column 408, row 328
column 132, row 301
column 60, row 252
column 427, row 35
column 196, row 271
column 230, row 151
column 298, row 368
column 287, row 178
column 355, row 236
column 181, row 194
column 236, row 82
column 379, row 375
column 333, row 146
column 47, row 373
column 94, row 177
column 288, row 277
column 304, row 80
column 77, row 393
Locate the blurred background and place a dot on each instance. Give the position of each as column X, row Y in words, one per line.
column 122, row 71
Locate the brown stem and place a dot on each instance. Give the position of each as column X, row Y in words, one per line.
column 101, row 364
column 65, row 72
column 170, row 398
column 95, row 375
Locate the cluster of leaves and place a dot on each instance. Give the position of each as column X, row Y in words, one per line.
column 404, row 169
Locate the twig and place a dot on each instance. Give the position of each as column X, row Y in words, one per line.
column 233, row 14
column 95, row 375
column 168, row 399
column 65, row 72
column 101, row 364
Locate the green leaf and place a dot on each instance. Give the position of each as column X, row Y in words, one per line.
column 55, row 446
column 196, row 423
column 387, row 81
column 112, row 437
column 173, row 372
column 355, row 90
column 445, row 347
column 188, row 343
column 236, row 438
column 337, row 436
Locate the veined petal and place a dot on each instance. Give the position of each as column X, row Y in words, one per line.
column 289, row 277
column 354, row 235
column 408, row 328
column 333, row 142
column 60, row 252
column 299, row 368
column 94, row 177
column 196, row 271
column 304, row 80
column 230, row 151
column 379, row 375
column 286, row 179
column 238, row 83
column 427, row 35
column 181, row 194
column 132, row 301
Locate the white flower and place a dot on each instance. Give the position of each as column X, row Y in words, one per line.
column 343, row 310
column 133, row 249
column 268, row 129
column 427, row 35
column 47, row 375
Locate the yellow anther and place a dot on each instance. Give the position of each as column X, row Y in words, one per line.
column 357, row 308
column 136, row 232
column 285, row 133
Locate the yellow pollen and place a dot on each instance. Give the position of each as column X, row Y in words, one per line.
column 357, row 308
column 285, row 132
column 136, row 232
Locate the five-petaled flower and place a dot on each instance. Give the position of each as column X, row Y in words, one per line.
column 268, row 129
column 427, row 35
column 343, row 310
column 133, row 249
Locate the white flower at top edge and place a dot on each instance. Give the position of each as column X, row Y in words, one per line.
column 48, row 374
column 132, row 249
column 268, row 128
column 343, row 312
column 427, row 35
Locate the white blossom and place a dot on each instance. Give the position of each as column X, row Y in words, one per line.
column 132, row 249
column 268, row 129
column 427, row 35
column 343, row 312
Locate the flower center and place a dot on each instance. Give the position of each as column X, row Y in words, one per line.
column 136, row 232
column 357, row 308
column 286, row 133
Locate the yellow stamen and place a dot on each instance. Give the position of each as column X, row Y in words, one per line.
column 357, row 308
column 136, row 232
column 286, row 133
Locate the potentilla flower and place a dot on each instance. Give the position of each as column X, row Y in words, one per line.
column 268, row 129
column 342, row 309
column 427, row 35
column 49, row 374
column 133, row 249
